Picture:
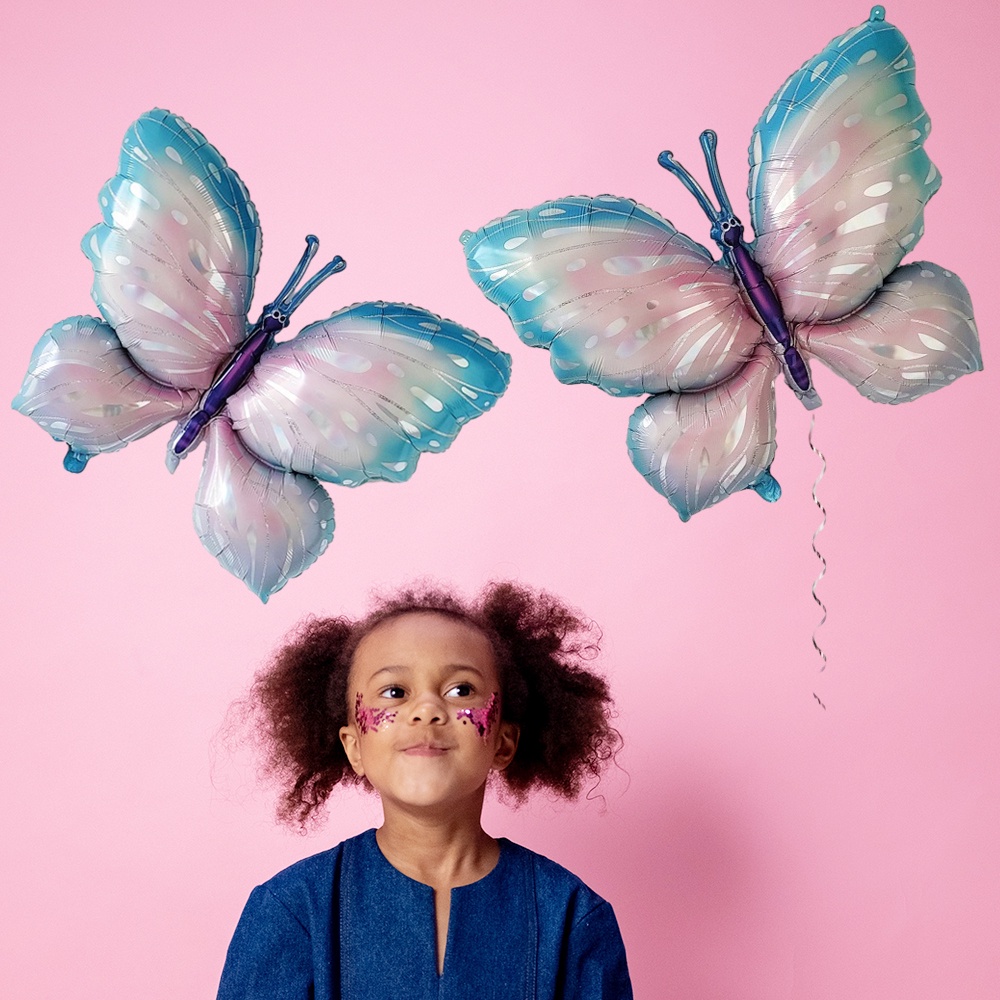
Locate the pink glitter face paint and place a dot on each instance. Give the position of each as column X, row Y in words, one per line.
column 482, row 718
column 369, row 719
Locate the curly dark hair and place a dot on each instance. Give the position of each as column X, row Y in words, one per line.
column 299, row 701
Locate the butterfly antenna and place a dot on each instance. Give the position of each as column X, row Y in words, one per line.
column 312, row 245
column 709, row 143
column 289, row 299
column 335, row 266
column 667, row 161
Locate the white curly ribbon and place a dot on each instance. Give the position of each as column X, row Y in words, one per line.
column 816, row 551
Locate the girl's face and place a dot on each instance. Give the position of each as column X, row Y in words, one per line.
column 424, row 705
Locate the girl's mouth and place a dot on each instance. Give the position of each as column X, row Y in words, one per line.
column 425, row 750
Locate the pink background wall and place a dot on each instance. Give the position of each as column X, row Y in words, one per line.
column 759, row 847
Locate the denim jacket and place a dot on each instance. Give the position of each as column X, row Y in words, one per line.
column 346, row 925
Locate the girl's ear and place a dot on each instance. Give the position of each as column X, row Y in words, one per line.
column 352, row 747
column 510, row 733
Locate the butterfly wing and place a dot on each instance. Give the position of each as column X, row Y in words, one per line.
column 82, row 388
column 176, row 255
column 838, row 173
column 264, row 525
column 697, row 448
column 619, row 297
column 360, row 395
column 916, row 335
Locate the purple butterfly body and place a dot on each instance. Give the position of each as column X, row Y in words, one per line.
column 838, row 183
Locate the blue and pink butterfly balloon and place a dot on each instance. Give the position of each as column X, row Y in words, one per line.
column 351, row 399
column 838, row 183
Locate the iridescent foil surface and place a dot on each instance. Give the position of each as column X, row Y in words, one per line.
column 838, row 183
column 355, row 398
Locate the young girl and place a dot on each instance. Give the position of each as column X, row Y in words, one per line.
column 425, row 700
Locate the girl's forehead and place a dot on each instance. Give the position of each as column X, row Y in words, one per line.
column 424, row 640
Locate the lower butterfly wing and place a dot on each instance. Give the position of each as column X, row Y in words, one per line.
column 917, row 334
column 264, row 525
column 361, row 395
column 698, row 448
column 619, row 297
column 82, row 388
column 176, row 255
column 838, row 173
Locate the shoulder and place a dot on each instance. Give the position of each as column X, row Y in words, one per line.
column 282, row 946
column 556, row 886
column 580, row 948
column 307, row 886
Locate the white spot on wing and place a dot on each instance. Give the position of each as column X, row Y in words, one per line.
column 146, row 197
column 540, row 288
column 735, row 431
column 932, row 342
column 873, row 216
column 898, row 101
column 825, row 161
column 431, row 402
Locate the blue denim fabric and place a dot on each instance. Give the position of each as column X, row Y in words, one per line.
column 346, row 925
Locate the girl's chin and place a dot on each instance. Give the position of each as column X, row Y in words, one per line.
column 434, row 798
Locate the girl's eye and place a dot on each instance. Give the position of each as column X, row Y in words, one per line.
column 462, row 690
column 392, row 691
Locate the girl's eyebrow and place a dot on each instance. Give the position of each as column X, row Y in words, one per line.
column 466, row 667
column 392, row 668
column 386, row 670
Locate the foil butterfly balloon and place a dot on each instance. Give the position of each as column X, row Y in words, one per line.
column 351, row 399
column 838, row 183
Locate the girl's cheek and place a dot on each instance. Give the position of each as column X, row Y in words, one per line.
column 370, row 719
column 482, row 718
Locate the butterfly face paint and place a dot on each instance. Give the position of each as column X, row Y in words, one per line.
column 482, row 718
column 370, row 719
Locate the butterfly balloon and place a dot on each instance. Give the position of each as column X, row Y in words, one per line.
column 350, row 399
column 838, row 183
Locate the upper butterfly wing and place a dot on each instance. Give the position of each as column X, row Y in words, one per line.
column 915, row 335
column 838, row 174
column 176, row 255
column 619, row 297
column 360, row 395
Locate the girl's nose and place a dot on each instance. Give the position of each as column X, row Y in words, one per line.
column 428, row 709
